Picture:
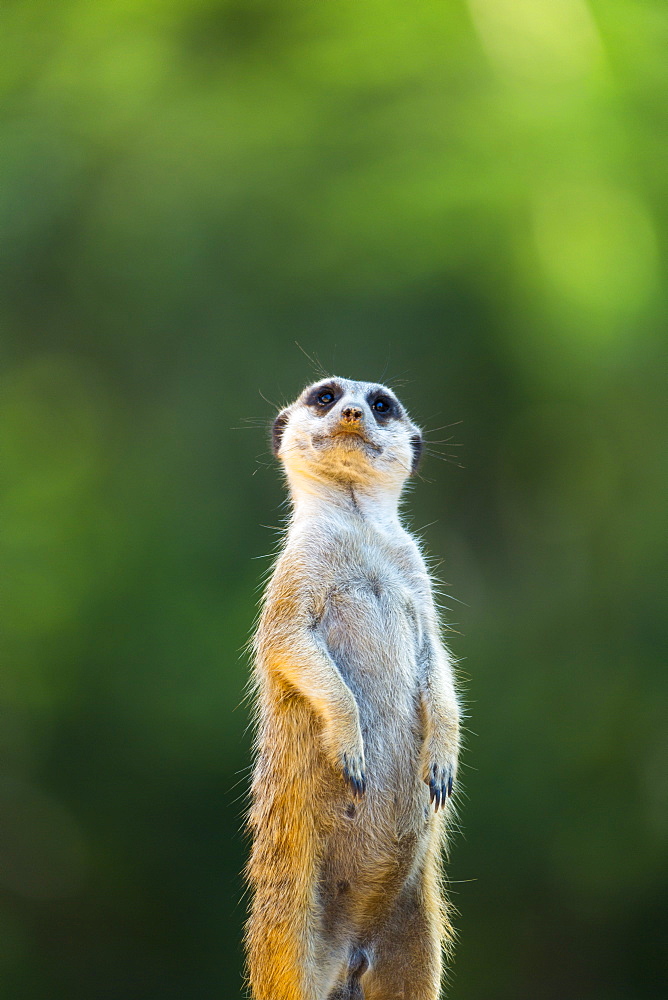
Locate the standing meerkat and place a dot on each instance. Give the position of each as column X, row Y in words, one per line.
column 358, row 729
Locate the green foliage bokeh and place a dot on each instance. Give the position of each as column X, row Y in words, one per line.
column 467, row 199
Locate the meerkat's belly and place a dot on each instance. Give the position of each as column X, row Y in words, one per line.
column 373, row 634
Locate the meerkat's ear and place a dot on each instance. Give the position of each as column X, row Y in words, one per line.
column 417, row 446
column 277, row 430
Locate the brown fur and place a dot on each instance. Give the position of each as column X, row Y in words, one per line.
column 357, row 714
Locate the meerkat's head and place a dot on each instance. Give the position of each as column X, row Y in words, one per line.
column 347, row 433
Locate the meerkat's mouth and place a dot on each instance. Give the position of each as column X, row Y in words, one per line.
column 353, row 438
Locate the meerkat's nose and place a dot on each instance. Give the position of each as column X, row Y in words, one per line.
column 351, row 414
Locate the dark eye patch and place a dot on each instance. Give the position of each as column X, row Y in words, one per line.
column 323, row 397
column 382, row 406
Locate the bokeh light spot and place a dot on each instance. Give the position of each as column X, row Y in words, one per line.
column 597, row 247
column 538, row 39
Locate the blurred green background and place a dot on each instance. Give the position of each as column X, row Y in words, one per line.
column 465, row 199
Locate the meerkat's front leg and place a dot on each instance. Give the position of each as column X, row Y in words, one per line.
column 342, row 734
column 301, row 658
column 441, row 712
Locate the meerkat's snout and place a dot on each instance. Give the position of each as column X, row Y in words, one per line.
column 351, row 415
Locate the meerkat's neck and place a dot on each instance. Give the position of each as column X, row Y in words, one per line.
column 375, row 504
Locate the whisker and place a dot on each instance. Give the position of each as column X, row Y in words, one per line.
column 270, row 401
column 450, row 459
column 444, row 427
column 448, row 441
column 315, row 362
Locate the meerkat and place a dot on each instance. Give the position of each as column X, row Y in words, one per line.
column 358, row 719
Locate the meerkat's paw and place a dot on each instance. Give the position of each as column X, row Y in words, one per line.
column 440, row 778
column 344, row 746
column 353, row 773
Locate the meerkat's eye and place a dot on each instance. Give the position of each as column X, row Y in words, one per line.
column 381, row 405
column 323, row 397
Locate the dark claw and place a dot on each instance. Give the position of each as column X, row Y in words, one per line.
column 357, row 785
column 440, row 787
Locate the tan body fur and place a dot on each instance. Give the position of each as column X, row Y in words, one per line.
column 358, row 720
